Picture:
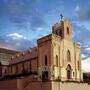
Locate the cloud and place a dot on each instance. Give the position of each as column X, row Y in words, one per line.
column 37, row 22
column 86, row 65
column 82, row 13
column 83, row 57
column 22, row 14
column 77, row 8
column 16, row 44
column 16, row 36
column 82, row 35
column 39, row 29
column 88, row 49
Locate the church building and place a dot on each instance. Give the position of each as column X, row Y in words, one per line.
column 56, row 57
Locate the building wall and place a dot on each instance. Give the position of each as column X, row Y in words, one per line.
column 75, row 57
column 56, row 49
column 70, row 86
column 27, row 84
column 27, row 66
column 44, row 49
column 59, row 48
column 56, row 61
column 44, row 55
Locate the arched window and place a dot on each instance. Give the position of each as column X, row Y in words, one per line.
column 68, row 56
column 56, row 60
column 68, row 67
column 45, row 60
column 67, row 30
column 78, row 65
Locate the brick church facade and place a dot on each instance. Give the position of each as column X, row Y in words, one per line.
column 56, row 57
column 54, row 64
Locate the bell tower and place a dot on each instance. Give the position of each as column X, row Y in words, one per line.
column 63, row 29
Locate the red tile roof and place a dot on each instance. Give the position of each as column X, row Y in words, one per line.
column 24, row 56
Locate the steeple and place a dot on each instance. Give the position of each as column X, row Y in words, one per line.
column 63, row 28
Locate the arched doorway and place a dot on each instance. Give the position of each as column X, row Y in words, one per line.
column 69, row 72
column 44, row 75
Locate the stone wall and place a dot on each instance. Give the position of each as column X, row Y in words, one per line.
column 28, row 84
column 70, row 86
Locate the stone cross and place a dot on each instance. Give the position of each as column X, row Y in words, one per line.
column 61, row 17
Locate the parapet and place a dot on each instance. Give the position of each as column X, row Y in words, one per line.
column 24, row 56
column 49, row 37
column 44, row 39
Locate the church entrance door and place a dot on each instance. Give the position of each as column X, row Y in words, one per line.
column 69, row 72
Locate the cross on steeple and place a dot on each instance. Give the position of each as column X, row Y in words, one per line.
column 61, row 16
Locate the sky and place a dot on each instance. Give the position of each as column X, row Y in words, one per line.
column 22, row 22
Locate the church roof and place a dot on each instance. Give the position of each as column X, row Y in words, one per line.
column 24, row 56
column 8, row 51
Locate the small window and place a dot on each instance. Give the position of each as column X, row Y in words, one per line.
column 68, row 56
column 59, row 32
column 78, row 65
column 16, row 68
column 67, row 30
column 30, row 66
column 56, row 60
column 73, row 74
column 45, row 60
